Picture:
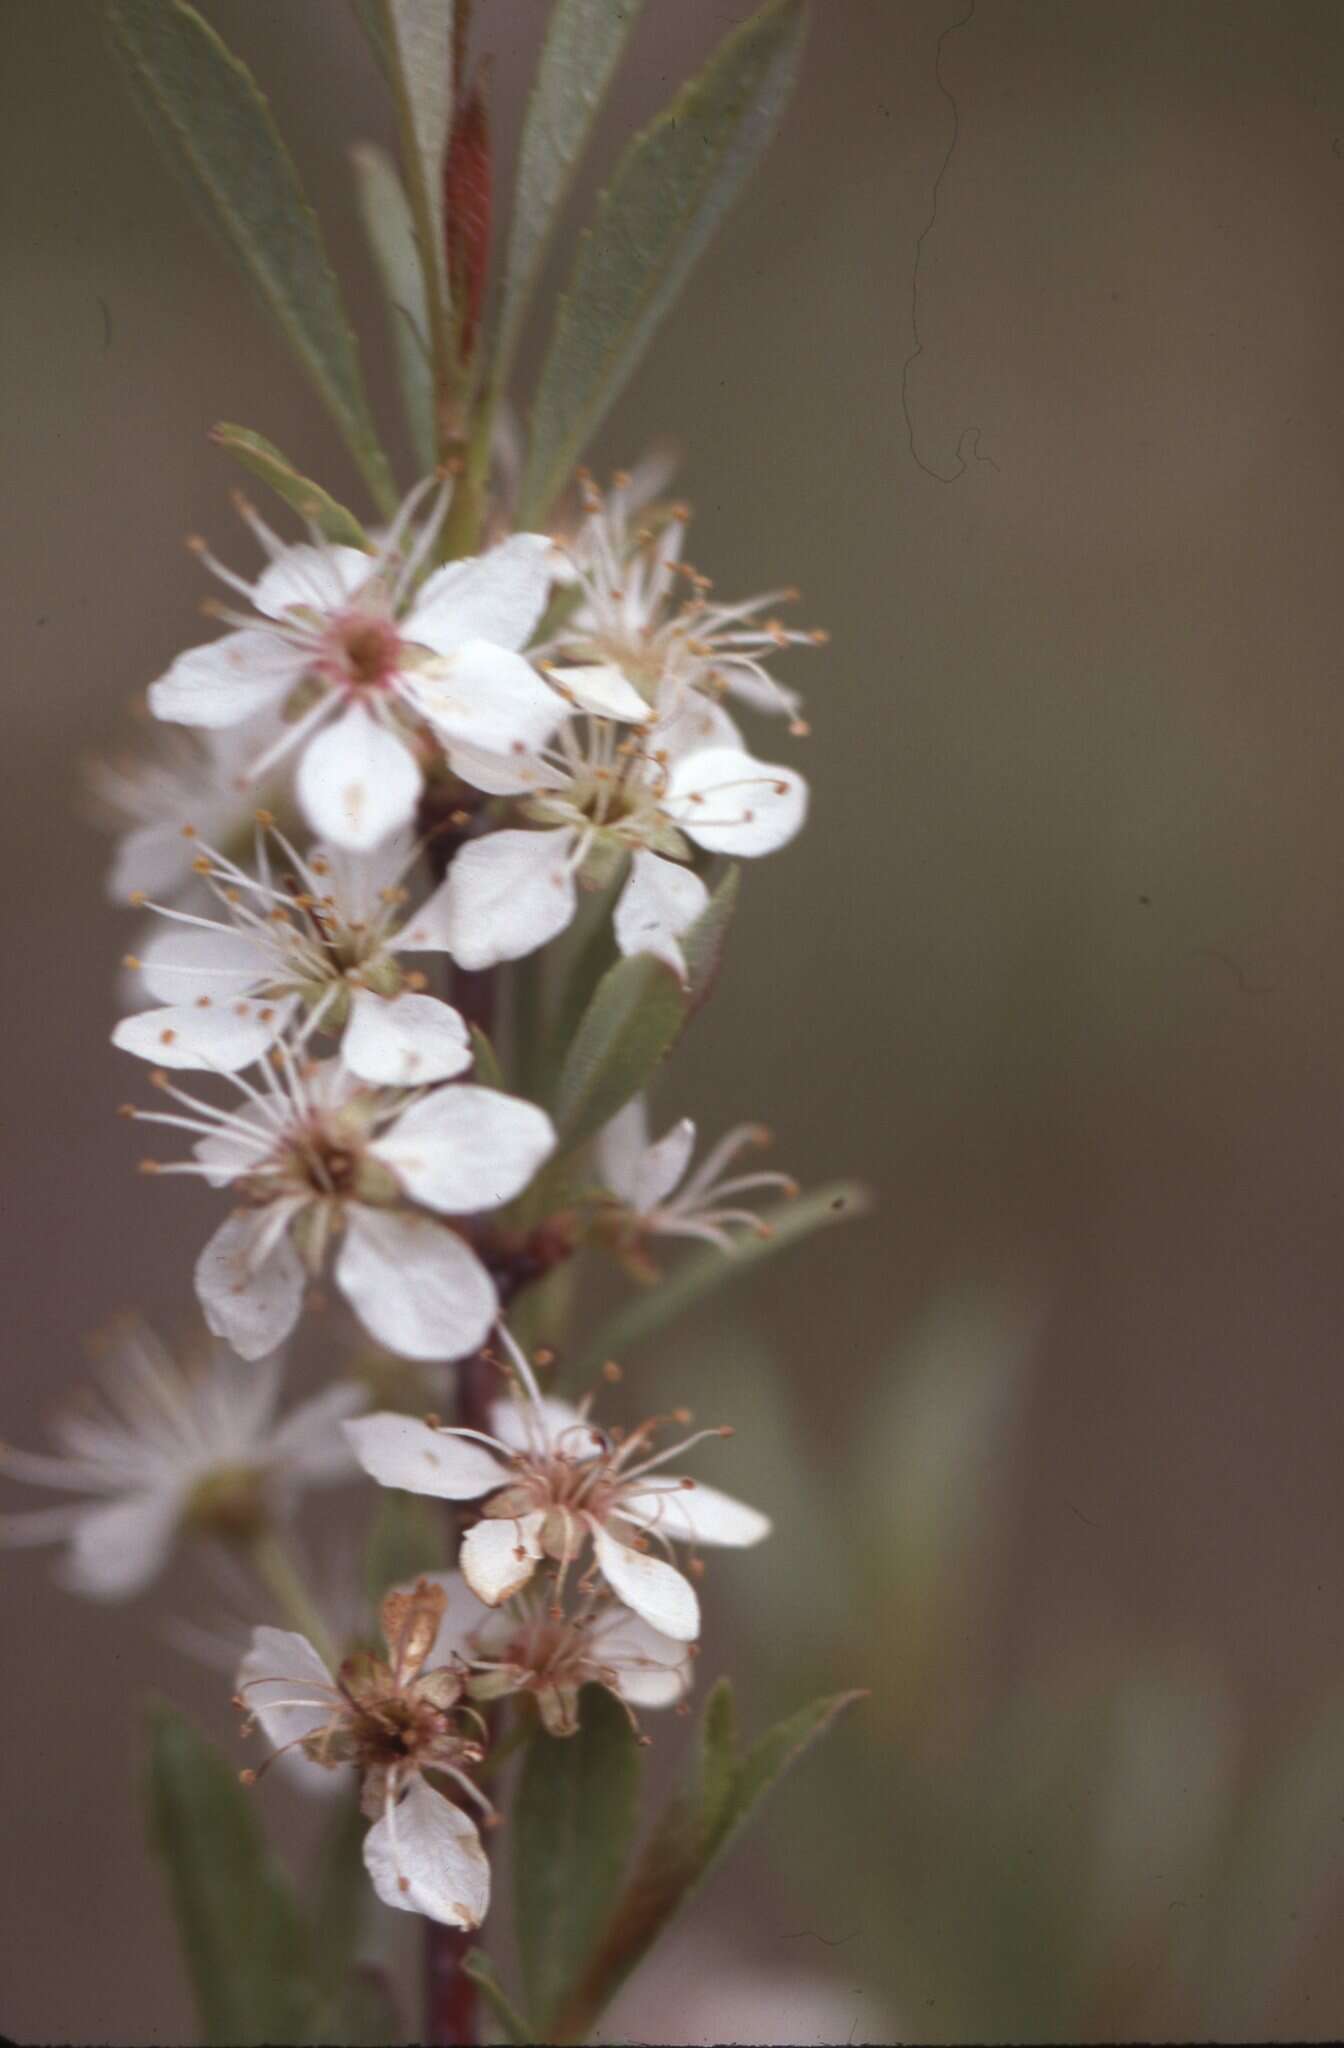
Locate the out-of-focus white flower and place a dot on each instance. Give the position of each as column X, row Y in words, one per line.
column 527, row 1646
column 551, row 1484
column 354, row 644
column 182, row 785
column 170, row 1445
column 633, row 615
column 317, row 1156
column 603, row 793
column 697, row 1989
column 658, row 1198
column 312, row 943
column 392, row 1718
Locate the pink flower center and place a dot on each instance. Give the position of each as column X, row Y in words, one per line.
column 360, row 651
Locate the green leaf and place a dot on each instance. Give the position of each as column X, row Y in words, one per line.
column 308, row 499
column 242, row 1932
column 632, row 1022
column 702, row 947
column 704, row 1272
column 574, row 1818
column 670, row 190
column 478, row 1966
column 691, row 1838
column 584, row 41
column 386, row 214
column 205, row 107
column 419, row 39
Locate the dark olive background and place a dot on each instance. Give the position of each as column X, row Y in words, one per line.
column 1056, row 968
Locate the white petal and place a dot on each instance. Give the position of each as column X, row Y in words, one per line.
column 357, row 781
column 520, row 772
column 284, row 1682
column 696, row 722
column 662, row 1166
column 426, row 1857
column 227, row 680
column 496, row 596
column 251, row 1303
column 695, row 1514
column 316, row 579
column 228, row 1154
column 600, row 688
column 310, row 1442
column 657, row 906
column 483, row 696
column 729, row 802
column 403, row 1451
column 225, row 1037
column 115, row 1551
column 650, row 1670
column 183, row 964
column 515, row 1423
column 620, row 1147
column 414, row 1285
column 656, row 1591
column 508, row 894
column 400, row 1041
column 498, row 1558
column 464, row 1149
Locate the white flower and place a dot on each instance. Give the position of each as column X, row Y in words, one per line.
column 528, row 1646
column 601, row 794
column 316, row 1155
column 375, row 656
column 632, row 614
column 157, row 802
column 393, row 1718
column 656, row 1194
column 315, row 943
column 171, row 1445
column 551, row 1483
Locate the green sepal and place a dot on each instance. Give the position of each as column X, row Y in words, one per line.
column 575, row 1813
column 332, row 520
column 486, row 1071
column 386, row 213
column 669, row 192
column 205, row 109
column 246, row 1946
column 692, row 1836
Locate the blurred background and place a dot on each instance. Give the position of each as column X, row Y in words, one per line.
column 1051, row 1437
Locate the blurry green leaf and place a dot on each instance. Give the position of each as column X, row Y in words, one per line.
column 630, row 1025
column 481, row 1971
column 370, row 17
column 689, row 1283
column 486, row 1071
column 340, row 1889
column 409, row 1536
column 206, row 109
column 574, row 1817
column 702, row 947
column 244, row 1938
column 694, row 1833
column 584, row 40
column 419, row 40
column 308, row 499
column 386, row 214
column 669, row 192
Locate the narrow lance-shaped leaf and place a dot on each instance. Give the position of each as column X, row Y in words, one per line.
column 704, row 1272
column 309, row 500
column 584, row 41
column 241, row 1930
column 419, row 36
column 386, row 214
column 670, row 190
column 574, row 1818
column 630, row 1025
column 468, row 203
column 693, row 1835
column 205, row 108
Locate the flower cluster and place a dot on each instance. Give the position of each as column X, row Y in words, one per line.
column 400, row 772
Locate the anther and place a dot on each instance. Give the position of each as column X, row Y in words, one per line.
column 611, row 1372
column 149, row 1166
column 543, row 1356
column 682, row 1416
column 265, row 819
column 127, row 1109
column 248, row 1777
column 137, row 899
column 131, row 960
column 167, row 1037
